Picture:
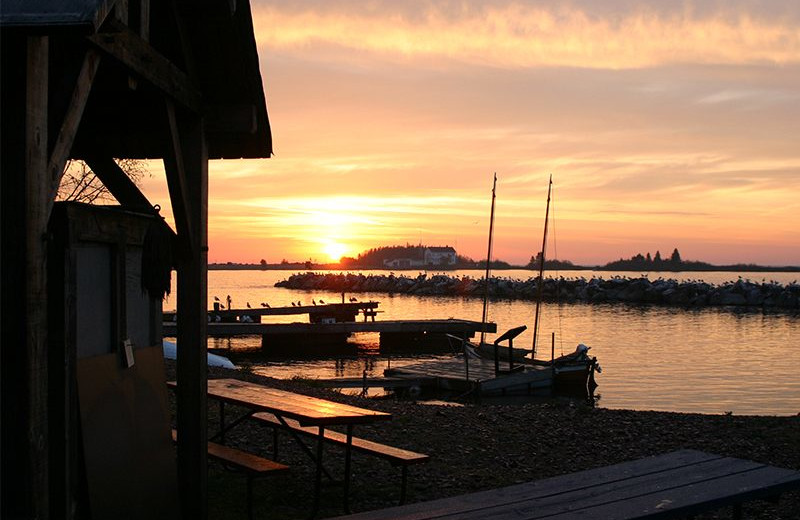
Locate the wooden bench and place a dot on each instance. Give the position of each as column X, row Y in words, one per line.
column 396, row 456
column 250, row 464
column 675, row 485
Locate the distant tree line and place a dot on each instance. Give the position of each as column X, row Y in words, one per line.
column 640, row 262
column 551, row 265
column 374, row 259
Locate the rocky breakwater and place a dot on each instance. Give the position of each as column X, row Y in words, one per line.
column 594, row 290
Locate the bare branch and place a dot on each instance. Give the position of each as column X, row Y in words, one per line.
column 80, row 184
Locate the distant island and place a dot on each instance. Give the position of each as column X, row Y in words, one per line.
column 422, row 257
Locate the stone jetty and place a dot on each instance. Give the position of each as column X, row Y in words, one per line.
column 593, row 290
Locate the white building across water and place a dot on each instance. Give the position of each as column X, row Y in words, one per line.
column 431, row 256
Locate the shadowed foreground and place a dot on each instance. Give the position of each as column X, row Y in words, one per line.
column 477, row 447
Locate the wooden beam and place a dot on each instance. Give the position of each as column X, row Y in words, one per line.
column 192, row 322
column 181, row 33
column 122, row 188
column 37, row 192
column 118, row 183
column 144, row 19
column 144, row 61
column 121, row 10
column 69, row 127
column 176, row 181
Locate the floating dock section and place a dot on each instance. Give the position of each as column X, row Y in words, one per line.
column 477, row 376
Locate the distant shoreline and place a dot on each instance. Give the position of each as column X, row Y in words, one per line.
column 304, row 266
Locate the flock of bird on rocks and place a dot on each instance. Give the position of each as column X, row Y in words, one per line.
column 690, row 293
column 299, row 303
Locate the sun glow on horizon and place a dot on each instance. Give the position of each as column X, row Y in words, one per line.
column 335, row 250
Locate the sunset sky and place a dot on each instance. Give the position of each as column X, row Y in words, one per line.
column 664, row 124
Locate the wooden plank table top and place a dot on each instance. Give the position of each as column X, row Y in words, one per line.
column 676, row 484
column 307, row 410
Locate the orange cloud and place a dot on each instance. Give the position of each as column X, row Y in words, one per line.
column 516, row 35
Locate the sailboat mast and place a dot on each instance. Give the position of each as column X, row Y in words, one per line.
column 484, row 316
column 541, row 272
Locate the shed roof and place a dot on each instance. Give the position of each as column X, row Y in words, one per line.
column 211, row 42
column 44, row 13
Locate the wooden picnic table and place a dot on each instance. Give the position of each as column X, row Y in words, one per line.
column 307, row 410
column 674, row 485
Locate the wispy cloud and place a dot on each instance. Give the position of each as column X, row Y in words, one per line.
column 519, row 34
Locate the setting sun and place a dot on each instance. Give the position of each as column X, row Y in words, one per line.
column 335, row 251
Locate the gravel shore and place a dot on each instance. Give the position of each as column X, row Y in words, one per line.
column 482, row 446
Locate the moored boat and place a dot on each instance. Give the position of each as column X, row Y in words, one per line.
column 570, row 370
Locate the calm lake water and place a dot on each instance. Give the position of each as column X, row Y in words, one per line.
column 711, row 360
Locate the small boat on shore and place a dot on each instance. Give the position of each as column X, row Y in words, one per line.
column 214, row 360
column 575, row 369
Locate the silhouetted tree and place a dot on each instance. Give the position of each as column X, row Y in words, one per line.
column 676, row 257
column 80, row 184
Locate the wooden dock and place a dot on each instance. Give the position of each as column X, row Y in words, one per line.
column 478, row 375
column 396, row 335
column 448, row 326
column 316, row 313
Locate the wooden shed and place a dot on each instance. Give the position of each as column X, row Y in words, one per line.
column 99, row 80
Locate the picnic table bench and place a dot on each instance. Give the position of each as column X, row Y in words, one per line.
column 395, row 456
column 251, row 464
column 677, row 484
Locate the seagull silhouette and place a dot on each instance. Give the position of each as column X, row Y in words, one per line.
column 321, row 302
column 313, row 302
column 293, row 305
column 248, row 305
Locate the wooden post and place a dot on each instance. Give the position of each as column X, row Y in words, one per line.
column 37, row 193
column 186, row 165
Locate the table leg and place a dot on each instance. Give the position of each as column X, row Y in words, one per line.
column 347, row 452
column 275, row 444
column 222, row 422
column 318, row 479
column 303, row 446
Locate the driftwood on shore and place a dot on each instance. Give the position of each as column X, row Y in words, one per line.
column 594, row 290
